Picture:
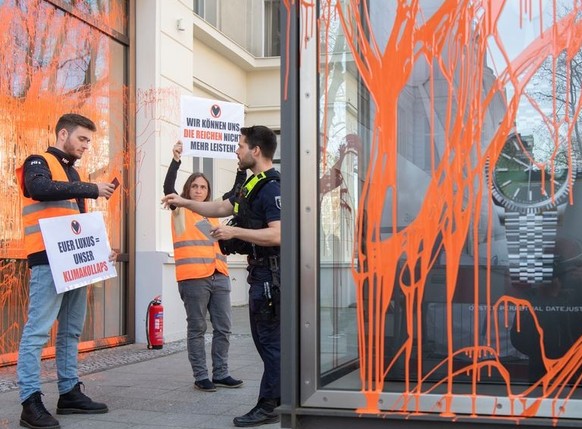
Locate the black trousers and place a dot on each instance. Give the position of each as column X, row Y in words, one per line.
column 264, row 314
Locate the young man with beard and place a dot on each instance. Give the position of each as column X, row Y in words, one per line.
column 51, row 187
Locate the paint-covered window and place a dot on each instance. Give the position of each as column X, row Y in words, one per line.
column 449, row 206
column 115, row 12
column 53, row 63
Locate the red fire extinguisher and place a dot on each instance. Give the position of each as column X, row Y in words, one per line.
column 155, row 324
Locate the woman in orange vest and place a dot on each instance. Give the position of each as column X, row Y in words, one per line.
column 203, row 281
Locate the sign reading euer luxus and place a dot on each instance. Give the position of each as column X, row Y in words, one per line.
column 78, row 250
column 210, row 128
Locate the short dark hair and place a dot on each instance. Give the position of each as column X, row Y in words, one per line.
column 186, row 190
column 70, row 121
column 263, row 137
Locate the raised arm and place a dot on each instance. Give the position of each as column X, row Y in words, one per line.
column 172, row 173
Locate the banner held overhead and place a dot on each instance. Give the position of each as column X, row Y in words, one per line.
column 210, row 128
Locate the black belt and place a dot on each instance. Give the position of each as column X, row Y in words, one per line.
column 267, row 261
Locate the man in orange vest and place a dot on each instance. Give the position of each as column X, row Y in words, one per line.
column 52, row 187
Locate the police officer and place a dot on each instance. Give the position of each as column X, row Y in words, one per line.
column 256, row 232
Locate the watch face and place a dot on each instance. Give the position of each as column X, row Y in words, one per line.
column 519, row 183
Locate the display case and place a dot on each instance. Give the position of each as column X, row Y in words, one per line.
column 434, row 271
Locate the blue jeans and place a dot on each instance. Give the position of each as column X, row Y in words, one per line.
column 210, row 294
column 45, row 306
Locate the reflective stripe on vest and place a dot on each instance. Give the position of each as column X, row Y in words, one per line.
column 33, row 210
column 196, row 256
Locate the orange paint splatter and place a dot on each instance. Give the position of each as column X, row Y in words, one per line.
column 454, row 43
column 53, row 63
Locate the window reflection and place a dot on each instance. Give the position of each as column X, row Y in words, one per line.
column 55, row 63
column 473, row 287
column 340, row 149
column 114, row 10
column 272, row 28
column 259, row 33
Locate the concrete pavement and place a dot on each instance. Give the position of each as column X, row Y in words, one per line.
column 150, row 388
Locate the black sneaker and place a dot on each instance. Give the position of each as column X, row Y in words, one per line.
column 256, row 417
column 76, row 402
column 227, row 382
column 35, row 415
column 205, row 385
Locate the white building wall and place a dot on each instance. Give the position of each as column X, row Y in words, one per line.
column 163, row 69
column 197, row 61
column 218, row 77
column 264, row 95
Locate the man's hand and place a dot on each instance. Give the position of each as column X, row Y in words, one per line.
column 174, row 200
column 270, row 236
column 223, row 232
column 177, row 151
column 105, row 189
column 113, row 256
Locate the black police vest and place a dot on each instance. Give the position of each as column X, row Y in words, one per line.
column 246, row 217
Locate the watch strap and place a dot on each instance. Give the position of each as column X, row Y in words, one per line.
column 531, row 245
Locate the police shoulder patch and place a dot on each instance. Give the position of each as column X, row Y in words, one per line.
column 278, row 202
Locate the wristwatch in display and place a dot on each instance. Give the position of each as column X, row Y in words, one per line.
column 530, row 200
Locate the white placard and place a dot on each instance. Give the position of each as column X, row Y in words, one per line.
column 210, row 128
column 78, row 250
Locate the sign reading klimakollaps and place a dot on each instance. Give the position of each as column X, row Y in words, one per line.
column 210, row 128
column 78, row 250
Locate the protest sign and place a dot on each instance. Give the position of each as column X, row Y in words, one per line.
column 78, row 250
column 210, row 128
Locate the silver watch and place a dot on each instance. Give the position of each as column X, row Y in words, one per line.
column 530, row 194
column 531, row 245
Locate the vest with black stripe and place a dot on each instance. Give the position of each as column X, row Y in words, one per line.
column 33, row 210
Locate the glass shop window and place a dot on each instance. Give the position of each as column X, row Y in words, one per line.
column 450, row 242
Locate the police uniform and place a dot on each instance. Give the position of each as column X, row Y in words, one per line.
column 255, row 210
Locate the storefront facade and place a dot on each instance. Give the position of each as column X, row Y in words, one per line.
column 436, row 265
column 57, row 57
column 125, row 64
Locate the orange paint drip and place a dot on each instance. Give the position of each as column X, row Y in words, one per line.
column 454, row 41
column 308, row 21
column 53, row 63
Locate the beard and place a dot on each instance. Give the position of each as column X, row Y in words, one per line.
column 247, row 163
column 69, row 149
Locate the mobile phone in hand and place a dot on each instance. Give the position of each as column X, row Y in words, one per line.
column 115, row 183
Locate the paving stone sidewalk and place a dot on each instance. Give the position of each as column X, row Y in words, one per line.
column 149, row 388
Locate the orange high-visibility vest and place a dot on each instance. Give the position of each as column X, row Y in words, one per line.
column 195, row 255
column 33, row 210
